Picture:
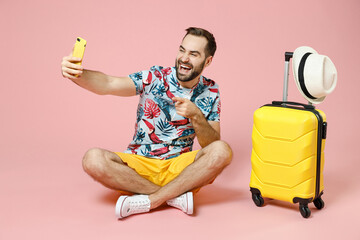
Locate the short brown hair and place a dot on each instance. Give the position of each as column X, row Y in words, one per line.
column 211, row 44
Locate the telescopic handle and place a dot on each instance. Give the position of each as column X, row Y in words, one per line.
column 288, row 55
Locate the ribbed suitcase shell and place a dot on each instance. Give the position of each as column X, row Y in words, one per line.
column 284, row 154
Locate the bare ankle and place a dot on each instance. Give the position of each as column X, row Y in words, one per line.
column 155, row 201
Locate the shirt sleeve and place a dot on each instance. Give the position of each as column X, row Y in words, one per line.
column 214, row 114
column 138, row 79
column 145, row 80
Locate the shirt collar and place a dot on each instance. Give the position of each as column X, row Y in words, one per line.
column 199, row 84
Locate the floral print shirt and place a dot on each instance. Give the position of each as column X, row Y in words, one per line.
column 159, row 131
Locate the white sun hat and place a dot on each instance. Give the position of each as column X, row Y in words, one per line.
column 315, row 75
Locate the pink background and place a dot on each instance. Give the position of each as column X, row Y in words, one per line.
column 47, row 122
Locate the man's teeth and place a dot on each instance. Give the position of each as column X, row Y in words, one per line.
column 185, row 67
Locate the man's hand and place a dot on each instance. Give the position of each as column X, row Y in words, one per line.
column 186, row 108
column 69, row 69
column 206, row 132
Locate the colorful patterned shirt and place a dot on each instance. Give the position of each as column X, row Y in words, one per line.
column 159, row 131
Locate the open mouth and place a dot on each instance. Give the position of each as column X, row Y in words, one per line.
column 184, row 69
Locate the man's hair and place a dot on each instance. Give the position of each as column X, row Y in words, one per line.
column 211, row 44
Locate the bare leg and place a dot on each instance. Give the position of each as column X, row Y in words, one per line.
column 209, row 163
column 107, row 168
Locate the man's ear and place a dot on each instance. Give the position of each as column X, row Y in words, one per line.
column 208, row 61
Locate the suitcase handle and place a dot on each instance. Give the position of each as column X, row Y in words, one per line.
column 288, row 56
column 305, row 106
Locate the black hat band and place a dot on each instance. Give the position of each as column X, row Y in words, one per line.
column 301, row 76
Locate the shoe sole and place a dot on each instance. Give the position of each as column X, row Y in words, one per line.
column 119, row 205
column 190, row 203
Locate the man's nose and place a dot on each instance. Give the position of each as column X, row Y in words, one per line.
column 185, row 58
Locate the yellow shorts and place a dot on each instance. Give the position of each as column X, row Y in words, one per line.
column 158, row 171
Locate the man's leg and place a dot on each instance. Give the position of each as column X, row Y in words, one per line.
column 107, row 168
column 208, row 164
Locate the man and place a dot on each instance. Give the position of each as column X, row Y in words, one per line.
column 176, row 104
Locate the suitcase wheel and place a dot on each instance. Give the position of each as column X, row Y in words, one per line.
column 304, row 210
column 258, row 199
column 319, row 203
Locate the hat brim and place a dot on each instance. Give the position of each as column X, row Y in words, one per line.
column 297, row 56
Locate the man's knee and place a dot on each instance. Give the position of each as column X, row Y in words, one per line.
column 221, row 154
column 93, row 162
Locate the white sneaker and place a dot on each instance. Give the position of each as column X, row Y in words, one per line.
column 183, row 202
column 128, row 205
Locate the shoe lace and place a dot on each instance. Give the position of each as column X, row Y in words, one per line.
column 136, row 206
column 178, row 202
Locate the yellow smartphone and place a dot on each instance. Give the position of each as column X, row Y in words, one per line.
column 79, row 49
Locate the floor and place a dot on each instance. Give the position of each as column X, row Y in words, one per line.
column 49, row 201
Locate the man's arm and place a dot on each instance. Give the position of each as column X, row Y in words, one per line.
column 206, row 131
column 96, row 82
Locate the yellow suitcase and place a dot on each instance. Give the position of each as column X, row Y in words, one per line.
column 287, row 157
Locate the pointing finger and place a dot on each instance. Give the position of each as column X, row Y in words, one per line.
column 178, row 99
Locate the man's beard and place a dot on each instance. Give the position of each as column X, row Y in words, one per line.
column 194, row 71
